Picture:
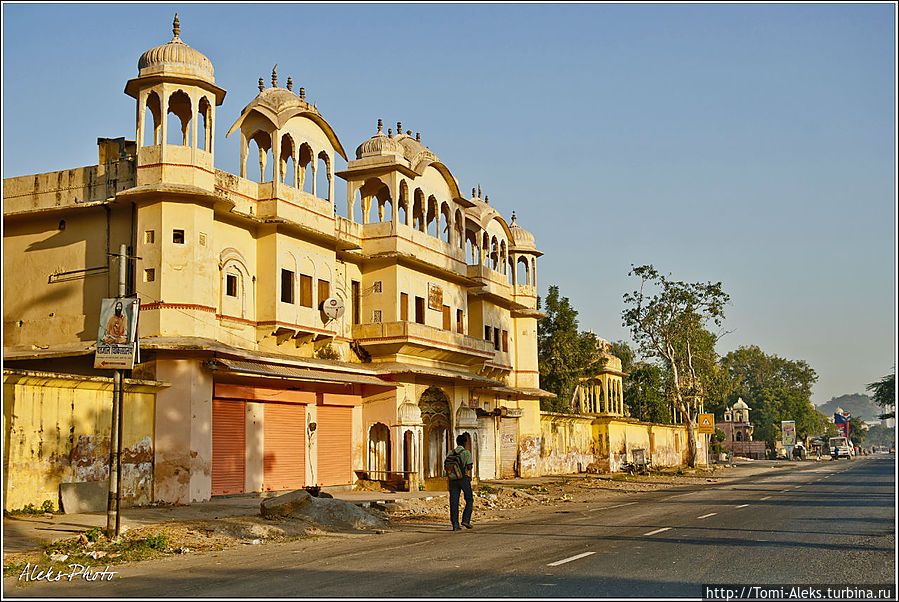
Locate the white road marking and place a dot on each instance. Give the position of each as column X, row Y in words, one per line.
column 707, row 515
column 572, row 558
column 767, row 497
column 742, row 505
column 656, row 531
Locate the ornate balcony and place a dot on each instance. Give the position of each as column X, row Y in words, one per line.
column 413, row 339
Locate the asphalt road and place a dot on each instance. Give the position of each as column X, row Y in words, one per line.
column 816, row 523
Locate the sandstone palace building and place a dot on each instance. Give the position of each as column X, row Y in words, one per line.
column 244, row 382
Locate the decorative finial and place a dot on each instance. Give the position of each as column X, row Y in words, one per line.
column 380, row 126
column 486, row 198
column 390, row 132
column 261, row 84
column 513, row 216
column 290, row 83
column 399, row 128
column 472, row 191
column 275, row 76
column 418, row 136
column 302, row 93
column 176, row 26
column 479, row 191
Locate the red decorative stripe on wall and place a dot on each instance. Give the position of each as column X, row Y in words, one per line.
column 161, row 305
column 175, row 165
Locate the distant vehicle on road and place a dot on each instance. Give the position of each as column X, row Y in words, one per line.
column 841, row 447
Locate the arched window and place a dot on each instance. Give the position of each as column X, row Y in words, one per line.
column 306, row 167
column 263, row 143
column 494, row 253
column 446, row 226
column 204, row 135
column 286, row 159
column 460, row 229
column 523, row 272
column 323, row 177
column 179, row 106
column 152, row 109
column 433, row 218
column 502, row 257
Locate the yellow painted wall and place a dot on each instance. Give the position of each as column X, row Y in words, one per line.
column 57, row 430
column 568, row 445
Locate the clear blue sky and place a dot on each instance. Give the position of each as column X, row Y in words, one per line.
column 748, row 143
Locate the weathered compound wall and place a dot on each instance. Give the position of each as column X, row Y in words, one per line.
column 56, row 429
column 568, row 445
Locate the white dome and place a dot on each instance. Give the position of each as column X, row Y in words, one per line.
column 466, row 417
column 408, row 413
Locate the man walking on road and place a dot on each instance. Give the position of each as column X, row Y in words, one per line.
column 459, row 485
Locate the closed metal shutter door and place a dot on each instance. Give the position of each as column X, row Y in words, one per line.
column 284, row 458
column 335, row 445
column 229, row 438
column 508, row 449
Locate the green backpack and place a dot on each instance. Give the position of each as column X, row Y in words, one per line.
column 453, row 466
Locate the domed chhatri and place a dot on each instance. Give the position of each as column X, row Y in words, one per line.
column 379, row 145
column 521, row 238
column 175, row 58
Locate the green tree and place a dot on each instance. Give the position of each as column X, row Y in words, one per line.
column 645, row 394
column 563, row 353
column 857, row 431
column 667, row 319
column 776, row 389
column 884, row 394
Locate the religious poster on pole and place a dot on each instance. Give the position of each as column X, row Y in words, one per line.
column 117, row 335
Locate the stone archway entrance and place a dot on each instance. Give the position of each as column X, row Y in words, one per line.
column 435, row 416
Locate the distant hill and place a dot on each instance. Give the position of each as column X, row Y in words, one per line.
column 856, row 404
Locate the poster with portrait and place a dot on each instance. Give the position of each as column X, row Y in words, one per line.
column 788, row 431
column 117, row 334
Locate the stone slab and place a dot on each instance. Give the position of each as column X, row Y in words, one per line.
column 86, row 496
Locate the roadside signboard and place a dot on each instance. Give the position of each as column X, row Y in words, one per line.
column 788, row 432
column 117, row 335
column 706, row 423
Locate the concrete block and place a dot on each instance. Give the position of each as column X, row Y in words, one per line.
column 284, row 505
column 87, row 496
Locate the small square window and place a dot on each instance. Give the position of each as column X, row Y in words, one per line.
column 202, row 239
column 150, row 237
column 231, row 285
column 178, row 237
column 149, row 275
column 376, row 287
column 376, row 316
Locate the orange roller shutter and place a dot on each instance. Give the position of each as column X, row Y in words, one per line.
column 335, row 445
column 229, row 437
column 284, row 456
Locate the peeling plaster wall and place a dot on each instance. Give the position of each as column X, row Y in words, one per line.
column 665, row 444
column 57, row 430
column 183, row 454
column 568, row 444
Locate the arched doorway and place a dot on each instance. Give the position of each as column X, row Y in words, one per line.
column 379, row 447
column 435, row 415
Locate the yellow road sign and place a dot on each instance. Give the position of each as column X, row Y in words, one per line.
column 706, row 423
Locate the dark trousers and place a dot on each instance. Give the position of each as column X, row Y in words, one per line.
column 455, row 488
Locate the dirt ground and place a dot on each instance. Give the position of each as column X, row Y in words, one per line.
column 493, row 501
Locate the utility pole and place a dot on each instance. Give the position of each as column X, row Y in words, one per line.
column 113, row 524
